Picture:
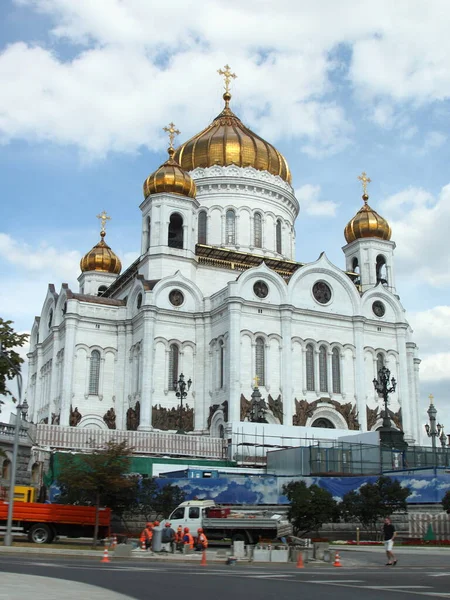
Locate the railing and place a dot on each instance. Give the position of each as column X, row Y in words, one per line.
column 142, row 442
column 7, row 431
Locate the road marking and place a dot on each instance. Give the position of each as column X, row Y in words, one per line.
column 277, row 576
column 438, row 574
column 396, row 587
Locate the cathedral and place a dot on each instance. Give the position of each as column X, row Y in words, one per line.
column 216, row 323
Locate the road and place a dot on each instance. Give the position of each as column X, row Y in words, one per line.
column 70, row 578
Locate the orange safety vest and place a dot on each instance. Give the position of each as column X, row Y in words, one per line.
column 147, row 534
column 179, row 536
column 190, row 540
column 203, row 540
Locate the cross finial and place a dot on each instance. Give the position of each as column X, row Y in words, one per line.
column 103, row 216
column 256, row 380
column 172, row 131
column 228, row 75
column 364, row 180
column 431, row 397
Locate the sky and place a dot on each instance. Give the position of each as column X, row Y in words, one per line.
column 338, row 88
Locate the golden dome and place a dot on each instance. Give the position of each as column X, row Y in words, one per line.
column 367, row 223
column 101, row 258
column 170, row 178
column 227, row 141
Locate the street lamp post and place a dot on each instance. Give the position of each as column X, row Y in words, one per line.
column 181, row 394
column 22, row 409
column 381, row 385
column 258, row 407
column 433, row 430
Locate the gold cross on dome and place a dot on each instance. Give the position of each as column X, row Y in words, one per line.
column 364, row 180
column 228, row 75
column 103, row 216
column 256, row 380
column 431, row 397
column 172, row 131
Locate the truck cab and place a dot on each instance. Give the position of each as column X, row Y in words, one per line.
column 190, row 514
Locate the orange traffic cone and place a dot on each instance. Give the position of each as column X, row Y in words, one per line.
column 143, row 545
column 114, row 541
column 337, row 561
column 105, row 558
column 203, row 561
column 300, row 564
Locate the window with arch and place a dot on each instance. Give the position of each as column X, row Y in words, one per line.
column 149, row 225
column 174, row 356
column 381, row 270
column 137, row 369
column 101, row 290
column 324, row 423
column 257, row 230
column 310, row 379
column 139, row 301
column 336, row 370
column 323, row 369
column 260, row 366
column 221, row 364
column 278, row 236
column 94, row 373
column 175, row 236
column 50, row 318
column 202, row 227
column 6, row 469
column 230, row 227
column 380, row 362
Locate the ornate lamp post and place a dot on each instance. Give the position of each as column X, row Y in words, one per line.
column 258, row 407
column 181, row 393
column 22, row 409
column 385, row 386
column 434, row 430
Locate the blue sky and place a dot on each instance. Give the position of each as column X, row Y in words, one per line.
column 338, row 88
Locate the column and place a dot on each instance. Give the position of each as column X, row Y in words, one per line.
column 286, row 366
column 234, row 311
column 69, row 356
column 147, row 372
column 54, row 379
column 403, row 394
column 37, row 390
column 119, row 377
column 200, row 378
column 360, row 374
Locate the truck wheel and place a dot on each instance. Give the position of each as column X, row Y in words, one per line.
column 239, row 537
column 40, row 534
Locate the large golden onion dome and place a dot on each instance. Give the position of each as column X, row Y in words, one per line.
column 101, row 258
column 367, row 223
column 171, row 179
column 227, row 141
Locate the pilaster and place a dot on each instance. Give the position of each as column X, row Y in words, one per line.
column 147, row 372
column 234, row 311
column 360, row 386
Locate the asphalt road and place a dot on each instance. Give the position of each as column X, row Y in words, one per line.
column 63, row 578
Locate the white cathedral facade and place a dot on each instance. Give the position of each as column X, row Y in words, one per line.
column 217, row 295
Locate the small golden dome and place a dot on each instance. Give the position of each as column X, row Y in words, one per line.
column 367, row 223
column 171, row 179
column 101, row 258
column 227, row 141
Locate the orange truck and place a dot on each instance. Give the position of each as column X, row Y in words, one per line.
column 44, row 522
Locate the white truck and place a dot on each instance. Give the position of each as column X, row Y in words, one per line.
column 220, row 523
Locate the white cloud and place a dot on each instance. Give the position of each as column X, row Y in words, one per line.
column 436, row 367
column 310, row 203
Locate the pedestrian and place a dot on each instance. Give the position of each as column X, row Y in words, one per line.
column 202, row 540
column 389, row 536
column 168, row 536
column 147, row 536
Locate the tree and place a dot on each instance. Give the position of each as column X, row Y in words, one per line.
column 9, row 340
column 96, row 478
column 446, row 502
column 310, row 507
column 374, row 501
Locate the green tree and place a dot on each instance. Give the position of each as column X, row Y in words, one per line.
column 97, row 478
column 310, row 507
column 374, row 501
column 9, row 340
column 446, row 501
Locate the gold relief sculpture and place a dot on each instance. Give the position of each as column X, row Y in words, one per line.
column 276, row 408
column 75, row 417
column 134, row 417
column 304, row 410
column 169, row 418
column 110, row 418
column 245, row 407
column 214, row 408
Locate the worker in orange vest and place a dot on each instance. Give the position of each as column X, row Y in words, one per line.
column 147, row 536
column 188, row 539
column 202, row 540
column 179, row 538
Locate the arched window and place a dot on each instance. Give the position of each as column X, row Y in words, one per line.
column 230, row 227
column 310, row 383
column 175, row 238
column 221, row 364
column 336, row 370
column 324, row 423
column 94, row 373
column 202, row 227
column 6, row 469
column 260, row 361
column 149, row 225
column 139, row 301
column 380, row 363
column 278, row 236
column 101, row 290
column 323, row 370
column 257, row 234
column 174, row 353
column 381, row 270
column 355, row 265
column 50, row 318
